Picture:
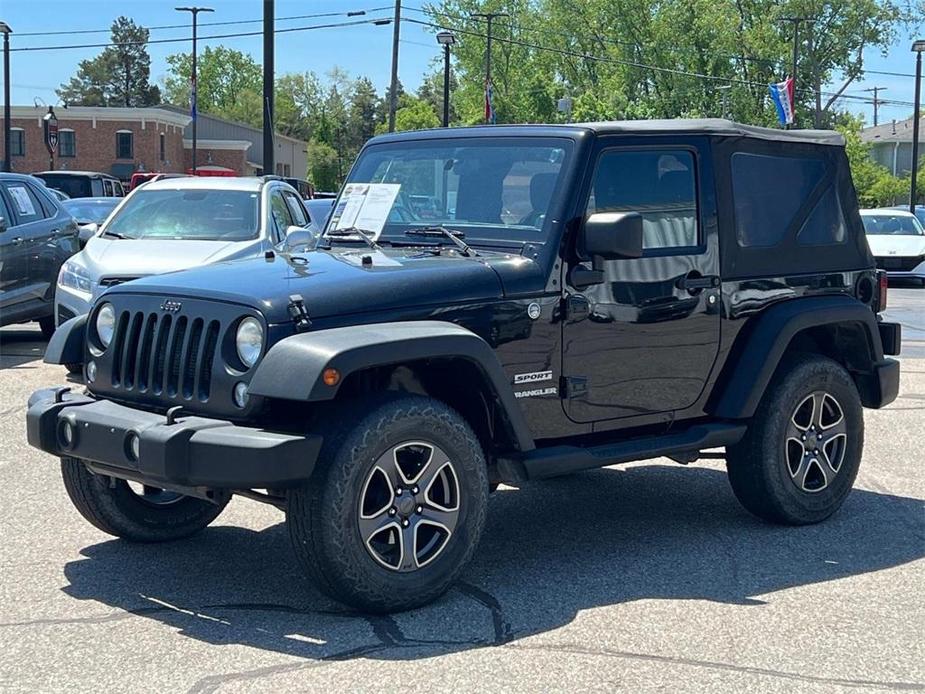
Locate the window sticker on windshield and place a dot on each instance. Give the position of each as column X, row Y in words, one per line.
column 365, row 206
column 23, row 201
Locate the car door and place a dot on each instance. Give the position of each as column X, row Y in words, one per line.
column 14, row 258
column 38, row 234
column 644, row 341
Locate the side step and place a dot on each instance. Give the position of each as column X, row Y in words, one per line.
column 561, row 460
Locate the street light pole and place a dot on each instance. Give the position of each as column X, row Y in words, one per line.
column 6, row 31
column 194, row 11
column 269, row 146
column 446, row 39
column 917, row 48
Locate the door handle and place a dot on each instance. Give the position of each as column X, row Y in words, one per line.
column 696, row 282
column 16, row 240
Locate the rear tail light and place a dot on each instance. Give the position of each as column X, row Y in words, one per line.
column 881, row 295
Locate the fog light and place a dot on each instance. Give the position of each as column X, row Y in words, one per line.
column 133, row 446
column 91, row 371
column 66, row 432
column 240, row 394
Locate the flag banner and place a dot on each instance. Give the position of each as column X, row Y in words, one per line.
column 782, row 95
column 489, row 105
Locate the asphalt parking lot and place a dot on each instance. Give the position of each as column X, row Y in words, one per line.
column 638, row 577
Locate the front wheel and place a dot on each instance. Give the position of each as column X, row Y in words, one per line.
column 134, row 512
column 800, row 456
column 395, row 506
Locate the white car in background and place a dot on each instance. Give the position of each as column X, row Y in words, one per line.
column 179, row 223
column 897, row 241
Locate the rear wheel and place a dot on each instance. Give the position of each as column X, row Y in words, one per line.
column 133, row 511
column 798, row 461
column 395, row 506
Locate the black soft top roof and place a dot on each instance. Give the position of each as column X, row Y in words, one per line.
column 707, row 126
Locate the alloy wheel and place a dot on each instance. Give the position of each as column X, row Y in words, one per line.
column 409, row 506
column 817, row 437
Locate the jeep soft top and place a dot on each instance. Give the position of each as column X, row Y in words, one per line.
column 494, row 304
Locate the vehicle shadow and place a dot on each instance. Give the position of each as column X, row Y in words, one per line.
column 550, row 550
column 20, row 345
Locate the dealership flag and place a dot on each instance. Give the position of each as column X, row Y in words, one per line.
column 782, row 94
column 489, row 103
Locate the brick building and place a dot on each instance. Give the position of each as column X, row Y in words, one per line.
column 121, row 141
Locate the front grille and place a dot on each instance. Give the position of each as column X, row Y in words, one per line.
column 107, row 282
column 902, row 264
column 164, row 355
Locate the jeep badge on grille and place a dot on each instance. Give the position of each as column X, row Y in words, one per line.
column 171, row 306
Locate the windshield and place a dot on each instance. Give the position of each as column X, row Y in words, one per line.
column 487, row 188
column 87, row 212
column 892, row 225
column 198, row 215
column 73, row 186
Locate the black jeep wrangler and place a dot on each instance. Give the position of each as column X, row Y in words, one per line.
column 490, row 305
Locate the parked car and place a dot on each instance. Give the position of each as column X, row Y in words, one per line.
column 141, row 177
column 177, row 223
column 377, row 388
column 305, row 189
column 897, row 240
column 36, row 237
column 90, row 214
column 318, row 212
column 60, row 195
column 919, row 211
column 83, row 184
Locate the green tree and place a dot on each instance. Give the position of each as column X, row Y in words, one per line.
column 119, row 76
column 230, row 84
column 874, row 184
column 323, row 166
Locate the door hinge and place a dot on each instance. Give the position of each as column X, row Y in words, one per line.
column 575, row 307
column 571, row 387
column 298, row 313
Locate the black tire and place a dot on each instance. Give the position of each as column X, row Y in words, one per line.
column 324, row 516
column 74, row 368
column 777, row 473
column 47, row 326
column 110, row 505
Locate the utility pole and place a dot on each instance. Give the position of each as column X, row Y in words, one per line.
column 489, row 17
column 796, row 21
column 6, row 31
column 876, row 91
column 269, row 147
column 194, row 11
column 393, row 95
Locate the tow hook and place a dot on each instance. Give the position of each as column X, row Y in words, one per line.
column 299, row 313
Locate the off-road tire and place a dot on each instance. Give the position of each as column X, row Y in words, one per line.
column 74, row 368
column 758, row 465
column 110, row 505
column 322, row 516
column 47, row 326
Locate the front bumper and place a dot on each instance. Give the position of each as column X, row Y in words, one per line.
column 190, row 452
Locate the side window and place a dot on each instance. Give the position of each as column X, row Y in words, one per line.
column 25, row 203
column 17, row 142
column 118, row 189
column 124, row 144
column 280, row 215
column 296, row 210
column 658, row 184
column 5, row 213
column 107, row 187
column 67, row 144
column 765, row 210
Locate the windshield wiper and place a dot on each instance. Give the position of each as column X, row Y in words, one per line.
column 455, row 236
column 353, row 232
column 114, row 234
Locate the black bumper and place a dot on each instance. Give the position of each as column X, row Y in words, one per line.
column 191, row 452
column 881, row 386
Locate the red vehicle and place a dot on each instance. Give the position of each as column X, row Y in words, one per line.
column 145, row 176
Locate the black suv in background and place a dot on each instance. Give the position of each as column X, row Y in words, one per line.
column 36, row 236
column 487, row 305
column 83, row 184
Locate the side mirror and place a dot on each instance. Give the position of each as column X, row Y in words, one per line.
column 85, row 232
column 606, row 236
column 300, row 236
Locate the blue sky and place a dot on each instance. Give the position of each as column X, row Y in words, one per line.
column 357, row 49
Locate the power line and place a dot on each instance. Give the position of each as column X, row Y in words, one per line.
column 186, row 39
column 320, row 15
column 631, row 63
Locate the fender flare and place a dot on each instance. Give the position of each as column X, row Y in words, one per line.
column 293, row 367
column 66, row 345
column 752, row 364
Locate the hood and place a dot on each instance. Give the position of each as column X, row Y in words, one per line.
column 885, row 246
column 336, row 282
column 136, row 258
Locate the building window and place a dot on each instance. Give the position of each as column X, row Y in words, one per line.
column 67, row 143
column 124, row 144
column 17, row 142
column 163, row 146
column 287, row 171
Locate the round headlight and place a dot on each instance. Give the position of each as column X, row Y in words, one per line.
column 249, row 341
column 105, row 324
